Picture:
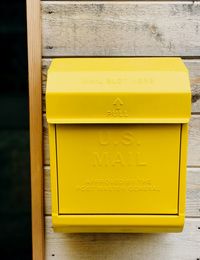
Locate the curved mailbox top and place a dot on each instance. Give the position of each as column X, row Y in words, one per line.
column 118, row 90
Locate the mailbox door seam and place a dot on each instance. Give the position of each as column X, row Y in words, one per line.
column 136, row 214
column 57, row 168
column 179, row 173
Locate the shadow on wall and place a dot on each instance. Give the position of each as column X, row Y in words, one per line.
column 15, row 236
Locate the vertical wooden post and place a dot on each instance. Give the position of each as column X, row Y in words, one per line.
column 35, row 108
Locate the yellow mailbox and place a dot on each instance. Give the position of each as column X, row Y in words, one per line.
column 118, row 130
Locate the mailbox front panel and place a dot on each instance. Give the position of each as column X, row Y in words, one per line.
column 118, row 143
column 118, row 169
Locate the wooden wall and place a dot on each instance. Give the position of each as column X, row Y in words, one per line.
column 128, row 28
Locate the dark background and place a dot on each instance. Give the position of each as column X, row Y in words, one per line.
column 15, row 211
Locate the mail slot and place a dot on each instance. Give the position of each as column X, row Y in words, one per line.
column 118, row 130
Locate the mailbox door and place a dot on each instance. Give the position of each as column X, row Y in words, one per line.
column 118, row 169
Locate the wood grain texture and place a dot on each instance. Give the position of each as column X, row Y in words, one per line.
column 117, row 0
column 180, row 246
column 121, row 28
column 193, row 149
column 193, row 192
column 35, row 108
column 75, row 28
column 194, row 142
column 193, row 68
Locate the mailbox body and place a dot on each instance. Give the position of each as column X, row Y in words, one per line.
column 118, row 143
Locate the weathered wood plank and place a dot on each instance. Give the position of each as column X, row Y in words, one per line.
column 35, row 116
column 126, row 0
column 194, row 71
column 193, row 192
column 184, row 246
column 194, row 142
column 121, row 28
column 192, row 65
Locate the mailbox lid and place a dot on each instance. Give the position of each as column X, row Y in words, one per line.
column 118, row 90
column 118, row 169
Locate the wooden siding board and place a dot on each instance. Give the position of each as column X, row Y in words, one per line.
column 168, row 28
column 121, row 28
column 184, row 246
column 194, row 141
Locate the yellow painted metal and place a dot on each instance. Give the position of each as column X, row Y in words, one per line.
column 121, row 90
column 116, row 164
column 118, row 143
